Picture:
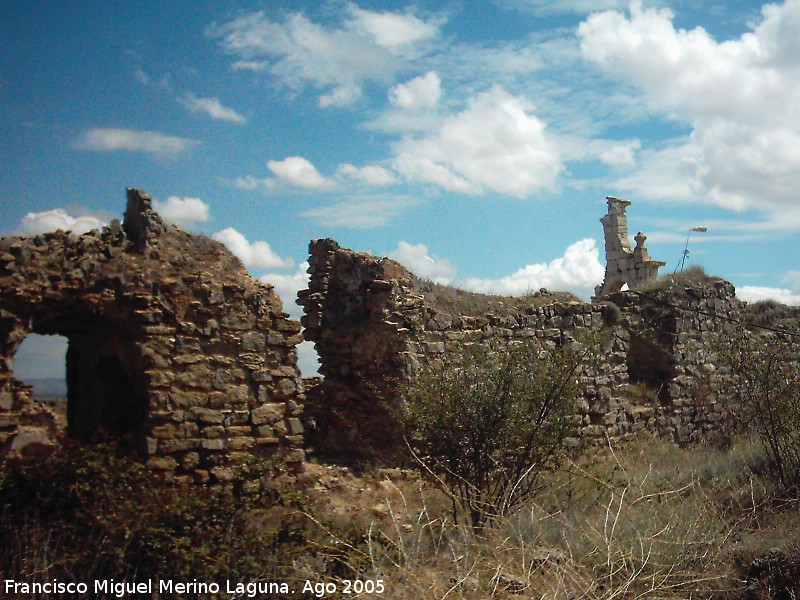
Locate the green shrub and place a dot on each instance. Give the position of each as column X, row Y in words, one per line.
column 769, row 313
column 486, row 424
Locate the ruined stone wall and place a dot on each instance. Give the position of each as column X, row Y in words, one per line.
column 675, row 335
column 173, row 348
column 371, row 324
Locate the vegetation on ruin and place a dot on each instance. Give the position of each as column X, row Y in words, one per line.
column 486, row 425
column 458, row 301
column 646, row 520
column 692, row 276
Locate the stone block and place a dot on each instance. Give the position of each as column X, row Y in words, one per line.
column 164, row 432
column 222, row 474
column 162, row 463
column 214, row 431
column 218, row 444
column 294, row 426
column 253, row 341
column 178, row 445
column 296, row 455
column 268, row 414
column 265, row 431
column 186, row 399
column 208, row 415
column 151, row 445
column 190, row 461
column 241, row 443
column 261, row 376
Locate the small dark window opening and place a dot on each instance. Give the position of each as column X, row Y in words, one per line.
column 650, row 364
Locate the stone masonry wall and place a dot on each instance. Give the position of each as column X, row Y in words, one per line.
column 372, row 324
column 674, row 338
column 173, row 349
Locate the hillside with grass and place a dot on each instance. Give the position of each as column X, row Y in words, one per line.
column 493, row 499
column 648, row 520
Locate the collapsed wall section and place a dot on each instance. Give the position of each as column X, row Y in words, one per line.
column 173, row 349
column 357, row 308
column 372, row 323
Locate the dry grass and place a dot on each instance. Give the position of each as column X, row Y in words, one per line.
column 652, row 520
column 693, row 276
column 649, row 520
column 456, row 301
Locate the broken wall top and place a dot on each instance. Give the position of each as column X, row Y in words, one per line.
column 208, row 349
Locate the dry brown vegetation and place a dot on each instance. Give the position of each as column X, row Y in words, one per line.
column 644, row 521
column 457, row 301
column 691, row 276
column 650, row 520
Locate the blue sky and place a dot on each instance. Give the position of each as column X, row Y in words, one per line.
column 473, row 141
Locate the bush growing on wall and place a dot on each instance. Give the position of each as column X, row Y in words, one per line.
column 487, row 423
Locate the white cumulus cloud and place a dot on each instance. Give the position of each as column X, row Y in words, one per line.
column 182, row 211
column 621, row 154
column 299, row 172
column 578, row 271
column 157, row 144
column 548, row 8
column 495, row 144
column 287, row 286
column 792, row 278
column 249, row 182
column 35, row 223
column 753, row 293
column 213, row 108
column 372, row 175
column 421, row 93
column 419, row 261
column 337, row 60
column 740, row 96
column 362, row 211
column 393, row 30
column 258, row 255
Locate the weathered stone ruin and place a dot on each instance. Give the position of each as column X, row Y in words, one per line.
column 178, row 354
column 372, row 323
column 173, row 349
column 623, row 265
